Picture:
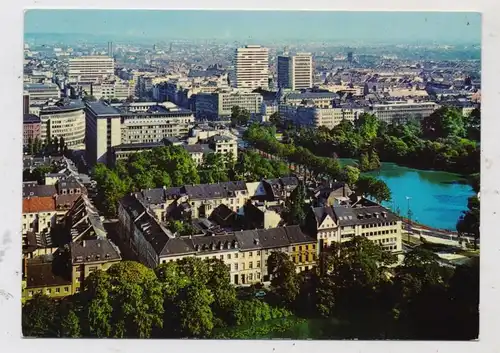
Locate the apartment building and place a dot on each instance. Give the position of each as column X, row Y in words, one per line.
column 66, row 119
column 401, row 111
column 90, row 255
column 295, row 72
column 316, row 99
column 90, row 68
column 112, row 89
column 219, row 105
column 340, row 224
column 40, row 277
column 32, row 128
column 113, row 125
column 40, row 93
column 198, row 201
column 39, row 214
column 252, row 67
column 315, row 117
column 245, row 253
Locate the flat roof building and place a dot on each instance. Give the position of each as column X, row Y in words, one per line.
column 295, row 72
column 252, row 67
column 90, row 68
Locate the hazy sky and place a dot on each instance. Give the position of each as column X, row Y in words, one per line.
column 380, row 26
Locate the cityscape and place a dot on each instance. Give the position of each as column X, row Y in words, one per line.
column 190, row 174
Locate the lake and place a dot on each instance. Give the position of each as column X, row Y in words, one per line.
column 437, row 198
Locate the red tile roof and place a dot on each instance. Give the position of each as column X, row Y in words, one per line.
column 39, row 204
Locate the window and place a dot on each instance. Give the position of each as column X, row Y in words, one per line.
column 236, row 267
column 30, row 293
column 236, row 255
column 66, row 289
column 250, row 254
column 258, row 252
column 258, row 264
column 229, row 256
column 250, row 276
column 92, row 269
column 250, row 265
column 314, row 246
column 77, row 289
column 222, row 257
column 293, row 248
column 47, row 291
column 258, row 275
column 58, row 290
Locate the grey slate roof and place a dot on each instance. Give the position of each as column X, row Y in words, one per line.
column 321, row 212
column 296, row 236
column 30, row 190
column 94, row 250
column 215, row 243
column 348, row 216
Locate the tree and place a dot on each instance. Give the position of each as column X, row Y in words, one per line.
column 284, row 281
column 374, row 161
column 68, row 320
column 55, row 144
column 37, row 145
column 213, row 169
column 97, row 307
column 444, row 122
column 224, row 293
column 364, row 163
column 239, row 116
column 296, row 206
column 350, row 175
column 370, row 186
column 367, row 125
column 38, row 317
column 62, row 144
column 276, row 119
column 30, row 147
column 194, row 312
column 468, row 224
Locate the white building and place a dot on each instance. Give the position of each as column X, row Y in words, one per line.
column 316, row 116
column 90, row 68
column 295, row 72
column 64, row 119
column 220, row 104
column 113, row 89
column 402, row 110
column 40, row 93
column 134, row 123
column 252, row 67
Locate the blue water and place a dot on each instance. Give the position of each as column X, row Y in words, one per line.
column 437, row 198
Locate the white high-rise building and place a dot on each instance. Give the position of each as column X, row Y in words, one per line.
column 252, row 67
column 91, row 68
column 295, row 72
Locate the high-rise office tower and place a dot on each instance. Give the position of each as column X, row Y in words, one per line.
column 90, row 68
column 349, row 57
column 110, row 49
column 252, row 67
column 295, row 72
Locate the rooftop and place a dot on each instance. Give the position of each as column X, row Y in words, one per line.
column 31, row 119
column 94, row 250
column 41, row 274
column 39, row 204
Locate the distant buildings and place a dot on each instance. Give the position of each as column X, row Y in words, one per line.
column 295, row 72
column 315, row 117
column 112, row 89
column 90, row 68
column 252, row 67
column 131, row 123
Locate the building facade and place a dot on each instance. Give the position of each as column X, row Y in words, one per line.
column 113, row 125
column 252, row 67
column 90, row 68
column 65, row 119
column 295, row 72
column 220, row 104
column 40, row 93
column 402, row 111
column 32, row 128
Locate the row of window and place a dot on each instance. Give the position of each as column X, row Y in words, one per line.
column 48, row 291
column 377, row 225
column 380, row 232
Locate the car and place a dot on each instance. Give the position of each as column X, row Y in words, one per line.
column 260, row 294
